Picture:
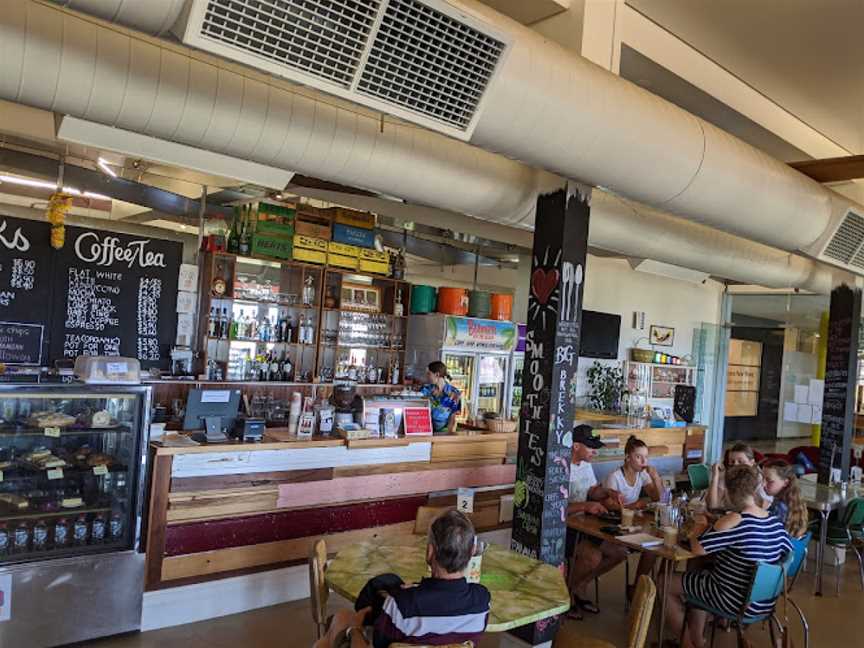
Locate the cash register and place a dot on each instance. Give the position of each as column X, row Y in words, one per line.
column 213, row 409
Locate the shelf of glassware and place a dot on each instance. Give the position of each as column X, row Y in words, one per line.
column 657, row 381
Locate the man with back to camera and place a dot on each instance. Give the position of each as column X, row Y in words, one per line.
column 591, row 557
column 439, row 610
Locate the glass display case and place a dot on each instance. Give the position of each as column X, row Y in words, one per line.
column 72, row 462
column 657, row 381
column 491, row 384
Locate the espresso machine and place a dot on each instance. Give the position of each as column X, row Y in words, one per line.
column 347, row 403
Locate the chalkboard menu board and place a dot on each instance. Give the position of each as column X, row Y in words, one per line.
column 840, row 377
column 103, row 293
column 25, row 287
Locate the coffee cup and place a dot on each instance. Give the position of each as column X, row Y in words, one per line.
column 670, row 536
column 627, row 517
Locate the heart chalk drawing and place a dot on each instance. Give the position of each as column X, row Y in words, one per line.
column 543, row 283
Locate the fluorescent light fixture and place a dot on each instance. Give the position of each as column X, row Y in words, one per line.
column 102, row 164
column 28, row 182
column 87, row 133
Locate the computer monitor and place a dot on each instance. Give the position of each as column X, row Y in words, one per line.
column 203, row 404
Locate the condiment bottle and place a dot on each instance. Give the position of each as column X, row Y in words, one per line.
column 115, row 528
column 97, row 531
column 4, row 539
column 79, row 530
column 22, row 538
column 61, row 533
column 40, row 536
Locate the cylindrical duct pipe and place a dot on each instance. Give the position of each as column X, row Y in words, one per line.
column 154, row 17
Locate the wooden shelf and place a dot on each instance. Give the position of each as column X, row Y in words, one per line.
column 257, row 341
column 7, row 433
column 262, row 302
column 69, row 512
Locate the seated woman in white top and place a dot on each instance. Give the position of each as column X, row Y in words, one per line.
column 636, row 476
column 739, row 454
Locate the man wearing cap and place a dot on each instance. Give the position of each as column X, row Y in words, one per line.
column 591, row 557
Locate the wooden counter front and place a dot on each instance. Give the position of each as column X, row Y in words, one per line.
column 223, row 508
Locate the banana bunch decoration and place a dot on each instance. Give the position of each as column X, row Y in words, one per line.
column 58, row 205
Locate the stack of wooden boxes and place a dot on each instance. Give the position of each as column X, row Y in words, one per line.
column 312, row 234
column 354, row 238
column 274, row 231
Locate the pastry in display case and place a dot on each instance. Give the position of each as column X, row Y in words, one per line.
column 72, row 463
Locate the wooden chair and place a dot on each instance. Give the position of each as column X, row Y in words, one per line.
column 640, row 620
column 426, row 515
column 318, row 590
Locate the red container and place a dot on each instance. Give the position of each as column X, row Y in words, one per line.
column 502, row 307
column 453, row 301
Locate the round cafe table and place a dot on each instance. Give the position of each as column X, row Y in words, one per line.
column 523, row 590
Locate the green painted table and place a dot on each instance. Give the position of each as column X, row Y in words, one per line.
column 523, row 590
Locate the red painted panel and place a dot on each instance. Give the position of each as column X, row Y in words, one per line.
column 236, row 532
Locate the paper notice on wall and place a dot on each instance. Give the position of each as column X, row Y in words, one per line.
column 817, row 391
column 186, row 302
column 805, row 413
column 802, row 393
column 188, row 278
column 185, row 328
column 790, row 411
column 817, row 414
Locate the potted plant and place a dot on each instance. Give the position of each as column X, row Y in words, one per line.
column 606, row 386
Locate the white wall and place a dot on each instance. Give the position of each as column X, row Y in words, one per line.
column 611, row 286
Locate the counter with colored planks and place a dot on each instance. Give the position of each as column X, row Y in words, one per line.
column 224, row 509
column 686, row 443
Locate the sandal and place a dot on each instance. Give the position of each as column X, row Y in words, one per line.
column 587, row 605
column 574, row 613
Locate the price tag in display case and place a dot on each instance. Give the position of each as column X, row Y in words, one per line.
column 52, row 432
column 55, row 473
column 100, row 470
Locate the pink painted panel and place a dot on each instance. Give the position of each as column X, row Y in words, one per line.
column 346, row 489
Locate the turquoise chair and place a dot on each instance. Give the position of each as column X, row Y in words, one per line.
column 848, row 534
column 700, row 476
column 767, row 585
column 799, row 559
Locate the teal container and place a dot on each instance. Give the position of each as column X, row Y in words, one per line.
column 422, row 299
column 479, row 303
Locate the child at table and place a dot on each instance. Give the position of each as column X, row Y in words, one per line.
column 781, row 483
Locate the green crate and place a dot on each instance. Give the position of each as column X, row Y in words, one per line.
column 272, row 246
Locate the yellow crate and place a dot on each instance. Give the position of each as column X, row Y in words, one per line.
column 353, row 218
column 374, row 267
column 339, row 261
column 374, row 255
column 343, row 250
column 309, row 256
column 309, row 243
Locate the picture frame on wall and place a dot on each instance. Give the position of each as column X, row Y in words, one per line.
column 661, row 336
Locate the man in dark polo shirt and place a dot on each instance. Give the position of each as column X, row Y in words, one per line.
column 439, row 610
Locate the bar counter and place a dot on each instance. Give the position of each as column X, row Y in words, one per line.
column 224, row 509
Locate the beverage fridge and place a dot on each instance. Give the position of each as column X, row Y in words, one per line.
column 72, row 468
column 477, row 353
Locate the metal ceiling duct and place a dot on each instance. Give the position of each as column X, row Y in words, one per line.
column 58, row 61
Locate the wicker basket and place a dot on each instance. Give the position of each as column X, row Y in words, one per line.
column 501, row 425
column 642, row 355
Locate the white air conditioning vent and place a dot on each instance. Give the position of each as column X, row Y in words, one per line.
column 845, row 244
column 421, row 60
column 430, row 63
column 320, row 37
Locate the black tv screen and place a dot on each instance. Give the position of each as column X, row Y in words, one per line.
column 600, row 333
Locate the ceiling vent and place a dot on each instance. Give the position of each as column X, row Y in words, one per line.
column 845, row 244
column 423, row 61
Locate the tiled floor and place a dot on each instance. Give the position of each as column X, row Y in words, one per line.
column 834, row 622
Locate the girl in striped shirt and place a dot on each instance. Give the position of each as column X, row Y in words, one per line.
column 738, row 540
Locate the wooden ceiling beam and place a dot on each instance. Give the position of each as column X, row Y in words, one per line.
column 837, row 169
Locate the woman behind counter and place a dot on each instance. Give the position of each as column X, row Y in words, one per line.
column 444, row 398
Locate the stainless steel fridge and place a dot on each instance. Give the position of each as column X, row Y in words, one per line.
column 72, row 468
column 477, row 353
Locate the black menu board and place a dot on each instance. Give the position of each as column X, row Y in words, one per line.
column 103, row 293
column 117, row 296
column 25, row 290
column 841, row 366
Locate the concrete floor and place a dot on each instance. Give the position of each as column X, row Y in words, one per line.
column 833, row 621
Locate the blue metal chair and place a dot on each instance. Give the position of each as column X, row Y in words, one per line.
column 767, row 585
column 846, row 533
column 799, row 559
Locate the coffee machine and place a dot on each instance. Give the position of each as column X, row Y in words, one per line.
column 348, row 404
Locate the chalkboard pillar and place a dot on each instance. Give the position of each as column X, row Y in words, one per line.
column 841, row 373
column 549, row 383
